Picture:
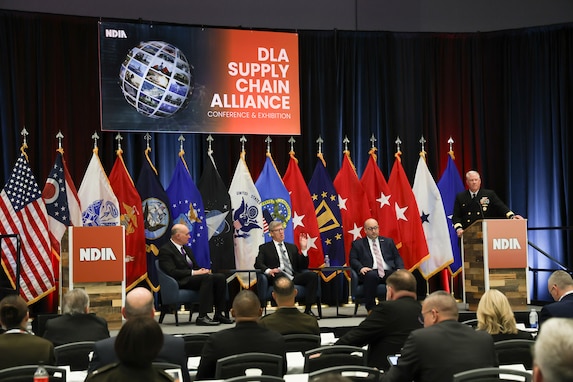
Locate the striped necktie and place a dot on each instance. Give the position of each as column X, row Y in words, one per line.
column 287, row 267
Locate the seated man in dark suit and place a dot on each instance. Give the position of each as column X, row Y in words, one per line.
column 443, row 347
column 390, row 322
column 76, row 324
column 374, row 258
column 139, row 302
column 177, row 260
column 560, row 285
column 288, row 319
column 17, row 345
column 247, row 336
column 278, row 258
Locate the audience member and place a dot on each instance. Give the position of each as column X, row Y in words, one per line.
column 139, row 302
column 278, row 258
column 177, row 260
column 76, row 324
column 560, row 285
column 17, row 345
column 288, row 319
column 246, row 336
column 553, row 351
column 495, row 316
column 443, row 347
column 374, row 258
column 390, row 322
column 137, row 345
column 477, row 203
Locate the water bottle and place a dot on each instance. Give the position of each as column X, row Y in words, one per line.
column 41, row 374
column 533, row 319
column 326, row 261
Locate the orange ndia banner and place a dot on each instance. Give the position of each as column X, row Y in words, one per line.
column 97, row 254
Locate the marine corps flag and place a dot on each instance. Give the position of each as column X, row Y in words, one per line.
column 131, row 218
column 414, row 249
column 156, row 216
column 304, row 218
column 247, row 220
column 352, row 203
column 218, row 211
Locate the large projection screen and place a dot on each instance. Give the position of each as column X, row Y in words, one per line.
column 174, row 78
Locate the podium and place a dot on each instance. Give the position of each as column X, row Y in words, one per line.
column 494, row 254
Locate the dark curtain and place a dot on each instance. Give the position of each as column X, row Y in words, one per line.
column 504, row 97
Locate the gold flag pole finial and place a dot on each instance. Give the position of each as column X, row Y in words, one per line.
column 268, row 141
column 95, row 137
column 346, row 141
column 209, row 144
column 423, row 151
column 119, row 138
column 181, row 139
column 291, row 141
column 451, row 152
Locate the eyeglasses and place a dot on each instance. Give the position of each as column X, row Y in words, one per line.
column 277, row 230
column 422, row 316
column 372, row 228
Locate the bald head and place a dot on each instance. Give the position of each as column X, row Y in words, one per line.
column 180, row 234
column 284, row 292
column 246, row 306
column 439, row 306
column 138, row 302
column 371, row 228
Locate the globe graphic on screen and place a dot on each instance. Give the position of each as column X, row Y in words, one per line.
column 156, row 79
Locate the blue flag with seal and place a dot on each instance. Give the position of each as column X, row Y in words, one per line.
column 450, row 184
column 187, row 208
column 275, row 200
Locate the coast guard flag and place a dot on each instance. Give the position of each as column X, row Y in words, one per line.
column 187, row 208
column 380, row 200
column 156, row 216
column 434, row 221
column 219, row 218
column 449, row 185
column 99, row 204
column 132, row 219
column 352, row 203
column 325, row 200
column 23, row 212
column 275, row 200
column 414, row 249
column 304, row 218
column 247, row 221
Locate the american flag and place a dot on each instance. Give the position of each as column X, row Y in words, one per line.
column 22, row 211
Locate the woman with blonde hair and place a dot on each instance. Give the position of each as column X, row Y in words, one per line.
column 495, row 316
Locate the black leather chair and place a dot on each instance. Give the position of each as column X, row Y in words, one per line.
column 356, row 373
column 235, row 365
column 334, row 355
column 172, row 297
column 25, row 373
column 74, row 354
column 492, row 374
column 357, row 290
column 518, row 351
column 265, row 292
column 301, row 342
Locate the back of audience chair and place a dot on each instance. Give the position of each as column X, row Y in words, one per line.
column 518, row 351
column 194, row 343
column 334, row 355
column 75, row 354
column 490, row 374
column 235, row 365
column 301, row 342
column 355, row 373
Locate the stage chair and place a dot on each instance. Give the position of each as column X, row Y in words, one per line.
column 301, row 342
column 492, row 374
column 25, row 373
column 358, row 290
column 74, row 354
column 356, row 373
column 172, row 297
column 518, row 351
column 334, row 355
column 235, row 365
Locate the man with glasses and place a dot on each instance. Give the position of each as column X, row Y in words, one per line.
column 277, row 258
column 374, row 258
column 560, row 286
column 443, row 347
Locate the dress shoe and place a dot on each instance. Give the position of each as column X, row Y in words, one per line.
column 206, row 321
column 223, row 320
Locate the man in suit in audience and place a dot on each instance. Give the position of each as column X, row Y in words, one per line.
column 390, row 322
column 177, row 260
column 552, row 351
column 443, row 347
column 374, row 258
column 139, row 302
column 560, row 285
column 76, row 324
column 18, row 346
column 247, row 336
column 278, row 258
column 288, row 319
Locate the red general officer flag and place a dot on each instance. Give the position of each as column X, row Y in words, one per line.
column 304, row 218
column 352, row 202
column 131, row 218
column 414, row 247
